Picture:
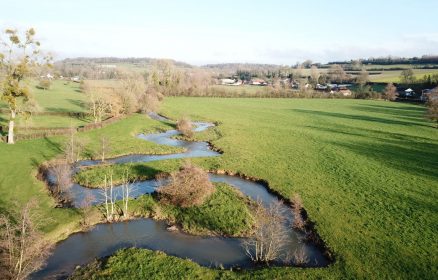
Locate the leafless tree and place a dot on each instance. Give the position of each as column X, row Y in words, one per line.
column 390, row 92
column 184, row 125
column 300, row 257
column 188, row 187
column 432, row 106
column 297, row 206
column 62, row 172
column 23, row 249
column 314, row 74
column 270, row 235
column 107, row 191
column 86, row 205
column 126, row 192
column 73, row 147
column 362, row 78
column 105, row 147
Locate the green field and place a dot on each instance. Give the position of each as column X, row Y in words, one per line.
column 394, row 76
column 366, row 171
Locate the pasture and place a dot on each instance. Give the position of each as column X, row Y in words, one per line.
column 366, row 171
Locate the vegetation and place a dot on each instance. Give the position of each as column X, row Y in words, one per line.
column 351, row 161
column 332, row 152
column 184, row 125
column 190, row 186
column 23, row 249
column 18, row 54
column 143, row 264
column 269, row 235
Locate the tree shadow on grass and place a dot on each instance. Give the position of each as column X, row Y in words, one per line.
column 360, row 117
column 408, row 113
column 78, row 103
column 412, row 154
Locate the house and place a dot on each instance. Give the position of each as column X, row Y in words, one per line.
column 231, row 82
column 48, row 76
column 258, row 82
column 320, row 87
column 345, row 92
column 409, row 92
column 425, row 93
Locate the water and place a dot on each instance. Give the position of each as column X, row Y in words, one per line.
column 106, row 239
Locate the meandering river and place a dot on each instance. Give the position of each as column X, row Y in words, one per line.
column 105, row 239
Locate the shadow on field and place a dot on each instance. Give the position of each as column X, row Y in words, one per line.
column 78, row 103
column 409, row 113
column 413, row 154
column 359, row 117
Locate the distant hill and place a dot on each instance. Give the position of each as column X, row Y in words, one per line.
column 136, row 61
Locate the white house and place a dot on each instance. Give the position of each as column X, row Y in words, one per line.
column 409, row 92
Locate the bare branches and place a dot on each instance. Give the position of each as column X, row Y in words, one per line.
column 270, row 234
column 188, row 187
column 184, row 125
column 297, row 206
column 390, row 92
column 22, row 248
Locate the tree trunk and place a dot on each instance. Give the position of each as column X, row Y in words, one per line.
column 11, row 128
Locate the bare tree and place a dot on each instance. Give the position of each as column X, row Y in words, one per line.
column 297, row 206
column 188, row 187
column 390, row 92
column 337, row 73
column 314, row 74
column 86, row 209
column 105, row 147
column 270, row 234
column 184, row 125
column 126, row 192
column 432, row 106
column 108, row 193
column 73, row 147
column 362, row 78
column 62, row 172
column 300, row 257
column 23, row 249
column 407, row 76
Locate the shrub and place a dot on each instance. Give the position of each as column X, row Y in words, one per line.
column 297, row 206
column 190, row 186
column 184, row 125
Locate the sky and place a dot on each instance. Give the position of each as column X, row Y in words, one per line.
column 204, row 31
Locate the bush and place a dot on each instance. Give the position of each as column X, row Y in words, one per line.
column 190, row 186
column 44, row 84
column 184, row 125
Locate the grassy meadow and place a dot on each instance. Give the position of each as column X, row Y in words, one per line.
column 366, row 171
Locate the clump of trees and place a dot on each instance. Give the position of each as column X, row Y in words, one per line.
column 190, row 186
column 269, row 237
column 19, row 56
column 23, row 249
column 390, row 93
column 112, row 210
column 184, row 125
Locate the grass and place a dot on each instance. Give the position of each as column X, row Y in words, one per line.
column 366, row 171
column 393, row 76
column 143, row 264
column 19, row 164
column 61, row 97
column 225, row 212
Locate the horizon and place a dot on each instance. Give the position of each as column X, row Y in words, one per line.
column 281, row 33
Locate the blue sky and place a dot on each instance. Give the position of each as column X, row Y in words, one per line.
column 199, row 32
